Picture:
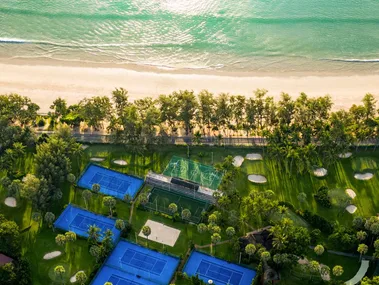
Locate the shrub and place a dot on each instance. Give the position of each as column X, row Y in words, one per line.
column 287, row 204
column 322, row 197
column 316, row 221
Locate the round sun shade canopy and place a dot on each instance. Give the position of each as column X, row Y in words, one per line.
column 320, row 172
column 256, row 178
column 120, row 162
column 254, row 156
column 238, row 160
column 97, row 159
column 351, row 209
column 10, row 202
column 363, row 176
column 350, row 193
column 345, row 155
column 52, row 255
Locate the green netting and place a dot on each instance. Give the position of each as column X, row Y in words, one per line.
column 201, row 174
column 160, row 199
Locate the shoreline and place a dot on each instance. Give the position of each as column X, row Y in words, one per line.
column 45, row 80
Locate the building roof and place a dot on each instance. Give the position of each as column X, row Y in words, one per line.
column 5, row 259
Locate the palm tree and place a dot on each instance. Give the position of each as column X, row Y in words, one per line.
column 49, row 218
column 87, row 195
column 120, row 224
column 319, row 249
column 96, row 188
column 265, row 256
column 202, row 228
column 362, row 249
column 173, row 208
column 230, row 232
column 361, row 235
column 95, row 251
column 215, row 238
column 219, row 139
column 212, row 219
column 146, row 230
column 196, row 138
column 59, row 271
column 109, row 202
column 337, row 270
column 93, row 234
column 71, row 178
column 127, row 198
column 81, row 277
column 250, row 249
column 186, row 214
column 60, row 240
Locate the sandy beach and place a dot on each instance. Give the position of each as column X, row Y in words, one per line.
column 44, row 82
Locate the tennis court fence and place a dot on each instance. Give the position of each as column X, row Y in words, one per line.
column 163, row 181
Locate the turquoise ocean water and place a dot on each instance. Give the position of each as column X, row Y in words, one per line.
column 244, row 35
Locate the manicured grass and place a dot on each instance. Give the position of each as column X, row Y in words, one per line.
column 297, row 277
column 286, row 187
column 75, row 257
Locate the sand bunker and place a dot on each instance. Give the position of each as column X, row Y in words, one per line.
column 351, row 209
column 84, row 146
column 320, row 172
column 10, row 202
column 254, row 156
column 52, row 255
column 345, row 155
column 350, row 193
column 364, row 176
column 73, row 278
column 120, row 162
column 97, row 159
column 237, row 161
column 256, row 178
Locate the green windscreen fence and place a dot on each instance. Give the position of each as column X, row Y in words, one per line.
column 160, row 199
column 204, row 175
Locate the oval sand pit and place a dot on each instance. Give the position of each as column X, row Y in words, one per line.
column 351, row 209
column 73, row 278
column 52, row 255
column 256, row 178
column 320, row 172
column 10, row 202
column 363, row 176
column 120, row 162
column 238, row 160
column 97, row 159
column 350, row 193
column 345, row 155
column 254, row 156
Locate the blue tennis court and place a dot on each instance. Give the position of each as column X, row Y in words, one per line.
column 118, row 277
column 143, row 263
column 111, row 182
column 219, row 271
column 78, row 220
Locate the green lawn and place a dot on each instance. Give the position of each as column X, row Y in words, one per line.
column 341, row 175
column 349, row 264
